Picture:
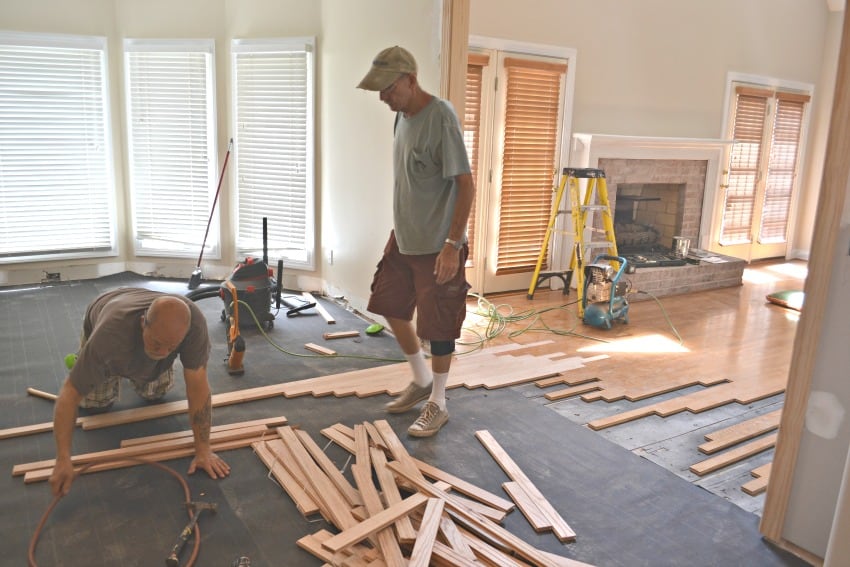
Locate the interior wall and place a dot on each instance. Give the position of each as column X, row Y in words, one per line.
column 357, row 131
column 659, row 67
column 654, row 68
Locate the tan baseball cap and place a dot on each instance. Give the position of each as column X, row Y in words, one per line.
column 388, row 65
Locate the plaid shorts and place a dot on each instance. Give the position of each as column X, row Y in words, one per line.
column 104, row 394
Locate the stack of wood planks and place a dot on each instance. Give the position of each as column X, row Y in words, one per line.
column 399, row 511
column 402, row 511
column 743, row 440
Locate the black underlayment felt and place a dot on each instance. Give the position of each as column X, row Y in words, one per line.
column 626, row 511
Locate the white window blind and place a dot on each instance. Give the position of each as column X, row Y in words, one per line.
column 56, row 179
column 171, row 145
column 274, row 124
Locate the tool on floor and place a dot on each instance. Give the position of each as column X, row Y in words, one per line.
column 374, row 329
column 197, row 274
column 584, row 226
column 296, row 304
column 604, row 299
column 196, row 508
column 255, row 282
column 235, row 342
column 41, row 394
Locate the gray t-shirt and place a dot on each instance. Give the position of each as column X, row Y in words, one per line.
column 428, row 152
column 113, row 340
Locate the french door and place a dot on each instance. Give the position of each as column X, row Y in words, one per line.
column 513, row 128
column 761, row 172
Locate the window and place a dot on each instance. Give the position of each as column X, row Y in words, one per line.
column 273, row 113
column 56, row 178
column 171, row 146
column 766, row 127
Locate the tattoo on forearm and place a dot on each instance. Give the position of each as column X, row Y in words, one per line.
column 201, row 419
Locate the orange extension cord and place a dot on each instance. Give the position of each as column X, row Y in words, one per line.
column 197, row 533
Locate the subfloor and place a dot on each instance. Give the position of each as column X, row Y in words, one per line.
column 626, row 509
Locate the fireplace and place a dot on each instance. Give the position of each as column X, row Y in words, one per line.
column 658, row 189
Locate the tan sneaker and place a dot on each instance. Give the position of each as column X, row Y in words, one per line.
column 430, row 421
column 411, row 396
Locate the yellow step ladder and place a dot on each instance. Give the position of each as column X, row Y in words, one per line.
column 594, row 199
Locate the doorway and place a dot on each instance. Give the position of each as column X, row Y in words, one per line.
column 518, row 103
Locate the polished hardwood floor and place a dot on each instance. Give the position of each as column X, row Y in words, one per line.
column 683, row 367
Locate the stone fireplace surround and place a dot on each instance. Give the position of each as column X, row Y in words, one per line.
column 693, row 163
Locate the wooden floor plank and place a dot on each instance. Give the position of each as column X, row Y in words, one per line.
column 743, row 431
column 735, row 455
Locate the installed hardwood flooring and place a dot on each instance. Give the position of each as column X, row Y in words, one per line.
column 683, row 367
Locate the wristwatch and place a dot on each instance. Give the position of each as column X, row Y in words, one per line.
column 456, row 244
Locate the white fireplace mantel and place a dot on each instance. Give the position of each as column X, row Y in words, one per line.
column 587, row 149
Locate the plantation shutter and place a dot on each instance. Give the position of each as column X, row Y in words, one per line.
column 472, row 130
column 171, row 145
column 751, row 163
column 274, row 141
column 782, row 166
column 533, row 94
column 56, row 178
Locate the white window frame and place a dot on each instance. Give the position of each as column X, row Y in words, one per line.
column 161, row 177
column 257, row 179
column 51, row 182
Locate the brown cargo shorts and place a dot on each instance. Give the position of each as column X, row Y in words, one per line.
column 406, row 283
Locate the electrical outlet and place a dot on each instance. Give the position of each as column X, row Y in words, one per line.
column 52, row 277
column 330, row 257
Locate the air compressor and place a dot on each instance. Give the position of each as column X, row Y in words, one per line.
column 604, row 299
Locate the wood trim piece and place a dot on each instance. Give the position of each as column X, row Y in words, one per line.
column 142, row 450
column 319, row 307
column 336, row 477
column 560, row 527
column 319, row 349
column 729, row 457
column 360, row 531
column 340, row 335
column 422, row 549
column 392, row 495
column 464, row 487
column 743, row 431
column 362, row 473
column 268, row 422
column 759, row 483
column 41, row 475
column 305, row 504
column 528, row 507
column 488, row 529
column 332, row 501
column 836, row 172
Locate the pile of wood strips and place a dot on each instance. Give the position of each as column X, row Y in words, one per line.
column 402, row 511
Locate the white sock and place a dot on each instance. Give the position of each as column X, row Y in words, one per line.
column 438, row 390
column 421, row 373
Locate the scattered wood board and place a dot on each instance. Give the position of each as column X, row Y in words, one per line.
column 448, row 528
column 322, row 311
column 555, row 522
column 759, row 483
column 739, row 453
column 740, row 432
column 320, row 349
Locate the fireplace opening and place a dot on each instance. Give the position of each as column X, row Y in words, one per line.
column 647, row 217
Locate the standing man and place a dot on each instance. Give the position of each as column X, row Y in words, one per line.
column 137, row 334
column 422, row 268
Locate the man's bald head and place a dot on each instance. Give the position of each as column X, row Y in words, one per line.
column 164, row 326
